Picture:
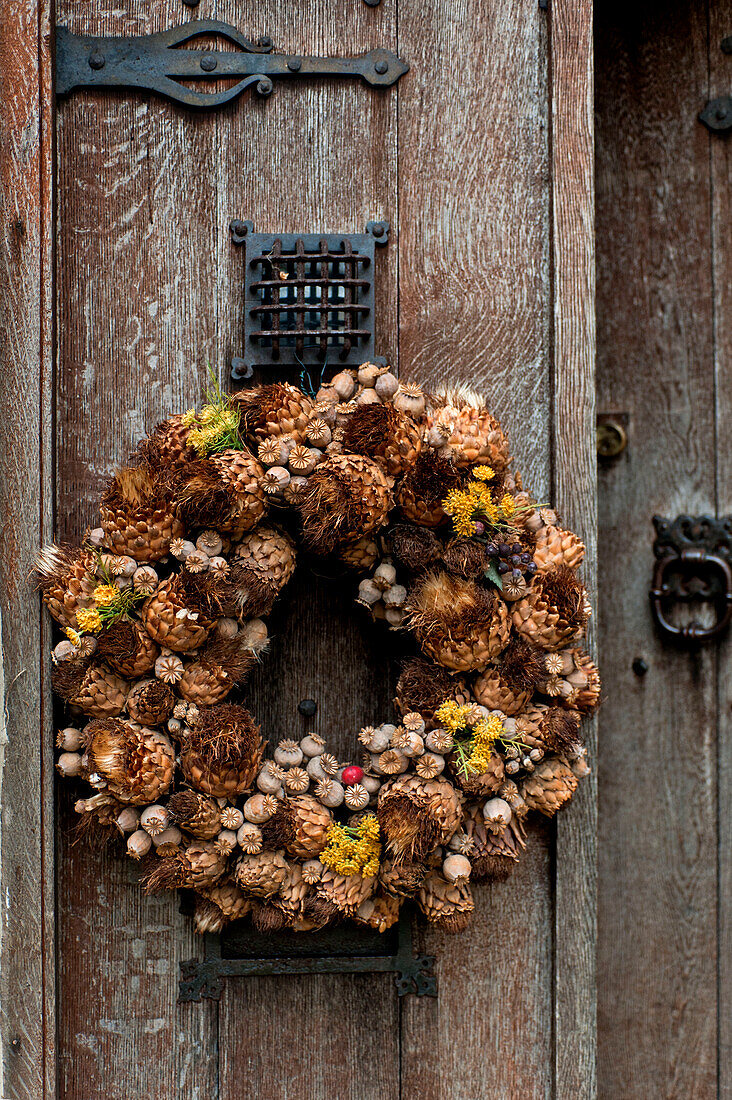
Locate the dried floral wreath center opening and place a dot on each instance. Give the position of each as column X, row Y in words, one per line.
column 163, row 609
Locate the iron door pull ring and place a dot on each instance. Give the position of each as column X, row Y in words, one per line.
column 694, row 562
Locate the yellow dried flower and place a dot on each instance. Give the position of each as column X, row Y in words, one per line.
column 188, row 419
column 508, row 506
column 73, row 635
column 106, row 594
column 88, row 621
column 483, row 473
column 351, row 851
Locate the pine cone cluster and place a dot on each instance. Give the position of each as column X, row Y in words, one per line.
column 162, row 611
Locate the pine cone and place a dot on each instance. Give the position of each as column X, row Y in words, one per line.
column 274, row 410
column 222, row 665
column 294, row 890
column 219, row 905
column 199, row 865
column 549, row 786
column 551, row 729
column 446, row 904
column 137, row 516
column 492, row 691
column 348, row 496
column 458, row 623
column 195, row 813
column 242, row 473
column 471, row 434
column 494, row 856
column 261, row 875
column 509, row 685
column 312, row 821
column 269, row 551
column 555, row 610
column 380, row 912
column 403, row 880
column 67, row 579
column 416, row 815
column 345, row 892
column 137, row 764
column 170, row 440
column 222, row 751
column 151, row 702
column 555, row 547
column 361, row 554
column 170, row 622
column 92, row 686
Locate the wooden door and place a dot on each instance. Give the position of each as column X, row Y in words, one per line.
column 481, row 158
column 665, row 362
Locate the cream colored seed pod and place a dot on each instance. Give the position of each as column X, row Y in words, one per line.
column 154, row 819
column 356, row 796
column 253, row 636
column 414, row 722
column 128, row 819
column 430, row 765
column 409, row 743
column 456, row 868
column 232, row 818
column 139, row 844
column 294, row 491
column 227, row 628
column 169, row 668
column 344, row 384
column 64, row 651
column 259, row 808
column 69, row 764
column 312, row 744
column 314, row 768
column 410, row 400
column 297, row 781
column 330, row 793
column 368, row 373
column 145, row 579
column 288, row 754
column 225, row 842
column 392, row 762
column 270, row 778
column 372, row 783
column 312, row 871
column 303, row 461
column 368, row 397
column 69, row 739
column 168, row 841
column 197, row 562
column 385, row 575
column 386, row 385
column 181, row 548
column 369, row 593
column 395, row 596
column 496, row 814
column 249, row 838
column 375, row 740
column 275, row 480
column 209, row 543
column 318, row 433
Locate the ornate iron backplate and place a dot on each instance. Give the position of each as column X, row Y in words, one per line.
column 693, row 563
column 154, row 63
column 308, row 299
column 241, row 952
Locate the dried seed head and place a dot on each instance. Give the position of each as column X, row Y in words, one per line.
column 302, row 460
column 392, row 762
column 232, row 818
column 275, row 480
column 145, row 579
column 318, row 433
column 297, row 780
column 169, row 668
column 429, row 765
column 312, row 871
column 249, row 837
column 225, row 842
column 154, row 819
column 271, row 452
column 139, row 844
column 312, row 744
column 218, row 567
column 439, row 741
column 356, row 796
column 69, row 764
column 413, row 722
column 328, row 763
column 259, row 808
column 69, row 739
column 456, row 868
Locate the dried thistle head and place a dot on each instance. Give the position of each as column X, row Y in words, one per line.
column 522, row 665
column 560, row 730
column 424, row 686
column 414, row 547
column 410, row 829
column 201, row 496
column 134, row 487
column 227, row 655
column 431, row 478
column 225, row 734
column 466, row 557
column 279, row 830
column 445, row 602
column 561, row 588
column 247, row 592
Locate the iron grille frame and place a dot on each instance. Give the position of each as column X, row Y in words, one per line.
column 309, row 299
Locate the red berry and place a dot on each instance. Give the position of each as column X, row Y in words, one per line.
column 352, row 774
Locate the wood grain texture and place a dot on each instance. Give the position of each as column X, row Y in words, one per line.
column 475, row 301
column 323, row 158
column 720, row 84
column 137, row 327
column 27, row 994
column 574, row 482
column 658, row 806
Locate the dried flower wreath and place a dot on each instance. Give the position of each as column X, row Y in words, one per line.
column 163, row 610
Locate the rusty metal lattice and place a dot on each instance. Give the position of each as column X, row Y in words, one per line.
column 309, row 298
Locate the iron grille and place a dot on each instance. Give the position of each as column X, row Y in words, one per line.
column 308, row 298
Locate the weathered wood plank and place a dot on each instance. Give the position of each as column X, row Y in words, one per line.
column 137, row 328
column 27, row 954
column 574, row 482
column 321, row 157
column 475, row 308
column 658, row 810
column 720, row 84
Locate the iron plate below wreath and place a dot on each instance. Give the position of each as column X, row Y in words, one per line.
column 241, row 952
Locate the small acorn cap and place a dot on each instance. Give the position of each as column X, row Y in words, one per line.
column 69, row 764
column 249, row 837
column 69, row 739
column 166, row 842
column 312, row 744
column 128, row 819
column 456, row 868
column 139, row 844
column 155, row 819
